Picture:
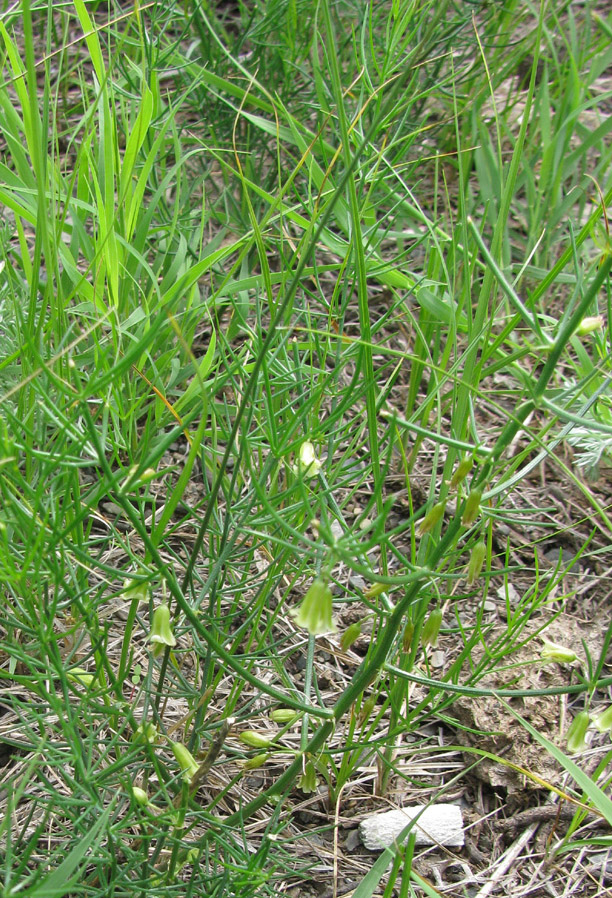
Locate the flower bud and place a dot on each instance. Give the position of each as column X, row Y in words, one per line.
column 431, row 629
column 186, row 760
column 552, row 651
column 603, row 720
column 284, row 715
column 79, row 675
column 576, row 735
column 476, row 561
column 255, row 762
column 350, row 635
column 431, row 518
column 254, row 739
column 407, row 636
column 134, row 479
column 140, row 796
column 161, row 631
column 471, row 508
column 308, row 780
column 366, row 709
column 315, row 610
column 461, row 472
column 374, row 590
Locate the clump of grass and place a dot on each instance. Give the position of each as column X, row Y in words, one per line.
column 264, row 277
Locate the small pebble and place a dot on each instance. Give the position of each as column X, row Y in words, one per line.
column 336, row 529
column 509, row 590
column 351, row 843
column 552, row 555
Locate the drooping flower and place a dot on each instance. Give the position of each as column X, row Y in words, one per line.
column 476, row 561
column 408, row 635
column 552, row 651
column 461, row 472
column 590, row 324
column 314, row 612
column 161, row 630
column 308, row 465
column 186, row 760
column 431, row 629
column 376, row 589
column 576, row 735
column 431, row 518
column 308, row 780
column 365, row 712
column 145, row 733
column 135, row 590
column 350, row 635
column 471, row 508
column 603, row 720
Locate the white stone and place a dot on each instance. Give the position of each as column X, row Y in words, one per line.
column 439, row 824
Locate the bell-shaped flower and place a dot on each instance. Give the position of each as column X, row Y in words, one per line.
column 315, row 610
column 461, row 472
column 186, row 760
column 431, row 518
column 471, row 508
column 135, row 590
column 408, row 635
column 476, row 561
column 552, row 651
column 590, row 324
column 308, row 465
column 145, row 733
column 576, row 735
column 161, row 631
column 431, row 629
column 308, row 780
column 603, row 720
column 350, row 635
